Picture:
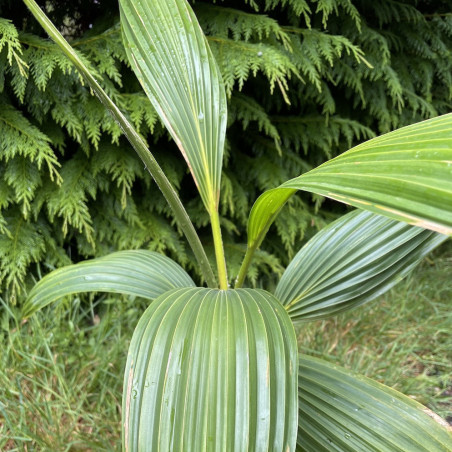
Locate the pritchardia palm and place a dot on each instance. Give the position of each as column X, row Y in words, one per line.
column 216, row 368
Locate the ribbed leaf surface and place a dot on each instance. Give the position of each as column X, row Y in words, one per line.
column 211, row 370
column 350, row 262
column 339, row 411
column 174, row 64
column 137, row 272
column 405, row 175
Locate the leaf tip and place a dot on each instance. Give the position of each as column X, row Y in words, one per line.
column 438, row 419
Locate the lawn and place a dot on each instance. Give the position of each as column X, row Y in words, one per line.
column 61, row 371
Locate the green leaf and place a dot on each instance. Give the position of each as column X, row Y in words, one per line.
column 339, row 411
column 135, row 139
column 350, row 262
column 264, row 212
column 405, row 175
column 211, row 370
column 174, row 64
column 139, row 273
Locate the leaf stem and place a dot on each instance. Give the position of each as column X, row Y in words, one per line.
column 219, row 250
column 245, row 265
column 182, row 218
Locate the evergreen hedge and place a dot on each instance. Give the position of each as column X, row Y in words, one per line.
column 305, row 79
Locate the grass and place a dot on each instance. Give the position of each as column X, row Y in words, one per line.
column 403, row 339
column 61, row 372
column 61, row 377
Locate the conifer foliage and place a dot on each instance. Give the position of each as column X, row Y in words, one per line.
column 305, row 79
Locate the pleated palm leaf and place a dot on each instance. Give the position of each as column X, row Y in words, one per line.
column 216, row 369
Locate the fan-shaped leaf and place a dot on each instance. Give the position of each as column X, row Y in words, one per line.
column 342, row 412
column 211, row 370
column 350, row 262
column 137, row 272
column 174, row 64
column 405, row 175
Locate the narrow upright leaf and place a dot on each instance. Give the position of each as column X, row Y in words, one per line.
column 405, row 175
column 173, row 62
column 137, row 272
column 342, row 412
column 350, row 262
column 135, row 139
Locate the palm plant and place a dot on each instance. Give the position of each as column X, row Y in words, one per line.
column 216, row 368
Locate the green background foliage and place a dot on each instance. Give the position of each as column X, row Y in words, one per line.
column 305, row 80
